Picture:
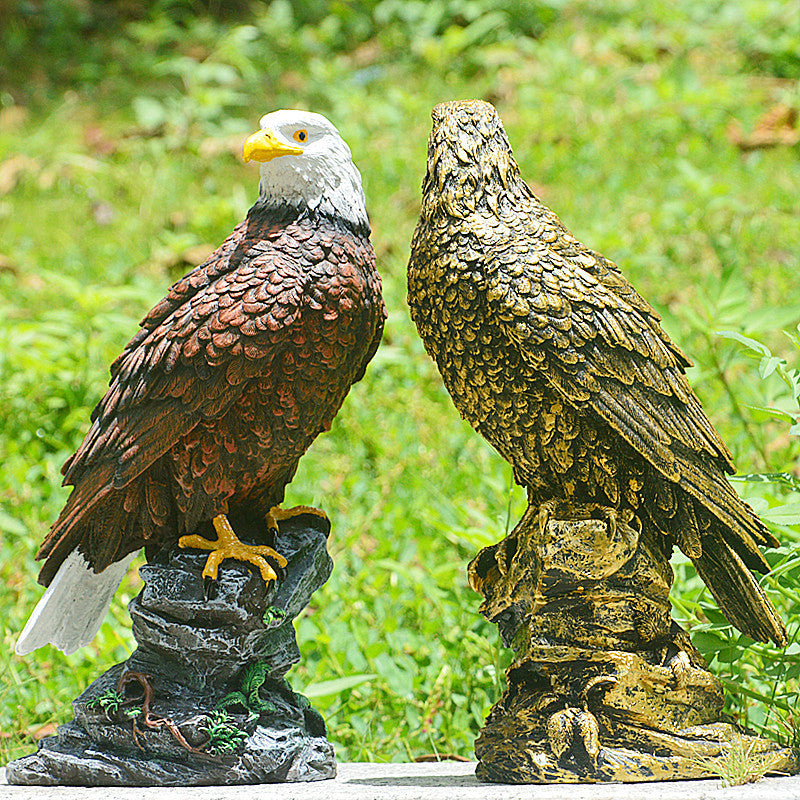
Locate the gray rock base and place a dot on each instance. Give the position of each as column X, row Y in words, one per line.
column 270, row 755
column 211, row 705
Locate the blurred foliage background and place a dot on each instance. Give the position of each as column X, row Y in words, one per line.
column 664, row 135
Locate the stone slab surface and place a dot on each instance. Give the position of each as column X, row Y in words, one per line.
column 447, row 780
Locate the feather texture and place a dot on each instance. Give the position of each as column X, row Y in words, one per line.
column 226, row 385
column 553, row 356
column 71, row 611
column 229, row 380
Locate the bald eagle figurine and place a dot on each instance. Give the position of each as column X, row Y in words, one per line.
column 553, row 357
column 231, row 377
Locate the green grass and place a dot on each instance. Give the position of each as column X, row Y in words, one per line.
column 617, row 117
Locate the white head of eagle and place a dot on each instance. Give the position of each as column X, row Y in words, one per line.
column 305, row 162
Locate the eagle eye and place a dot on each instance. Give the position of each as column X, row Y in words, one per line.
column 301, row 135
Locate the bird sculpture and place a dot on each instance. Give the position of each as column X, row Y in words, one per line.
column 552, row 356
column 231, row 377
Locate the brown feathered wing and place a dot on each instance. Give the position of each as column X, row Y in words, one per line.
column 243, row 363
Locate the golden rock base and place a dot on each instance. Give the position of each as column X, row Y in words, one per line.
column 605, row 686
column 509, row 752
column 632, row 721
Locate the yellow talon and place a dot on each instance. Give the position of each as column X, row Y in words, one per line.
column 276, row 514
column 228, row 545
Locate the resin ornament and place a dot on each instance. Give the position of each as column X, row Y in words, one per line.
column 210, row 407
column 552, row 356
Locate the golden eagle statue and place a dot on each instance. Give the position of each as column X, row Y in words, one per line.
column 552, row 356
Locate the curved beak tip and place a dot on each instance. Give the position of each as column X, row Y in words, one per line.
column 264, row 145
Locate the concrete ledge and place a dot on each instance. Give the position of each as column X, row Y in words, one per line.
column 447, row 780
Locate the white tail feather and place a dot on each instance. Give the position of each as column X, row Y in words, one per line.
column 72, row 609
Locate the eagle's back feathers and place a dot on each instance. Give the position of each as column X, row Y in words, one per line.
column 554, row 357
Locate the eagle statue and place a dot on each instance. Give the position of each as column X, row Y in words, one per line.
column 552, row 356
column 225, row 386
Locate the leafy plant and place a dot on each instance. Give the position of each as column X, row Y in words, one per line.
column 771, row 43
column 743, row 761
column 335, row 686
column 248, row 696
column 224, row 735
column 110, row 701
column 770, row 364
column 752, row 671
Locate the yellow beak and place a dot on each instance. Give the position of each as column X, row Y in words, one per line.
column 263, row 145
